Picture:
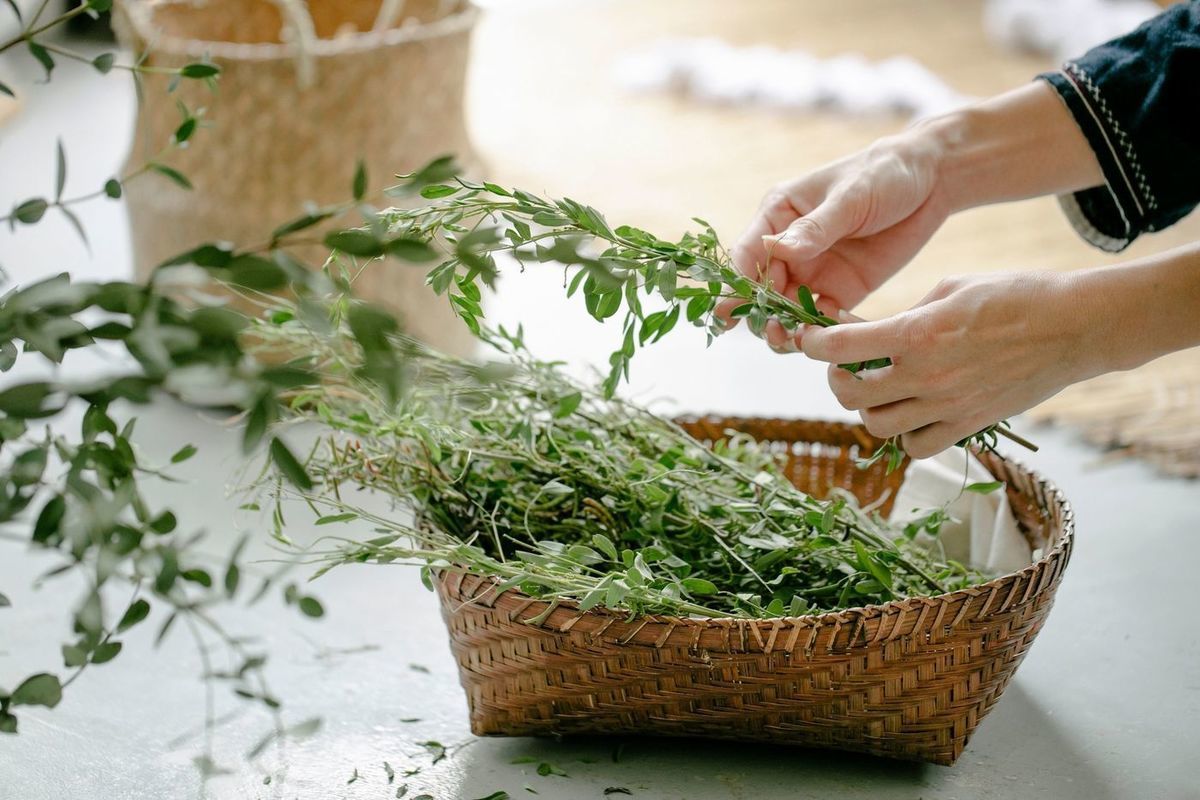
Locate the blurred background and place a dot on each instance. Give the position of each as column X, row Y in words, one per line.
column 653, row 112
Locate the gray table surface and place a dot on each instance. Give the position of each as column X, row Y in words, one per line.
column 1105, row 705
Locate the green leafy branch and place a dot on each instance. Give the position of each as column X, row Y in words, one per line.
column 90, row 509
column 469, row 223
column 44, row 52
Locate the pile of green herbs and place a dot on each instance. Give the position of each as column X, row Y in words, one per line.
column 515, row 471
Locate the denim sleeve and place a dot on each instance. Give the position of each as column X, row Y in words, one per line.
column 1137, row 100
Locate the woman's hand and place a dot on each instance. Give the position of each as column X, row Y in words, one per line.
column 844, row 229
column 974, row 351
column 848, row 227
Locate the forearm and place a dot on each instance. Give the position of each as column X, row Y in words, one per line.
column 1020, row 144
column 1138, row 311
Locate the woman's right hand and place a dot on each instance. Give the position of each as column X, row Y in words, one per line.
column 844, row 229
column 848, row 227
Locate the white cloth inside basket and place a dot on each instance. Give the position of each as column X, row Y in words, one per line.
column 982, row 531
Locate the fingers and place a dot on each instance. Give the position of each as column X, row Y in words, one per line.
column 898, row 418
column 859, row 341
column 780, row 340
column 869, row 388
column 932, row 439
column 750, row 253
column 818, row 230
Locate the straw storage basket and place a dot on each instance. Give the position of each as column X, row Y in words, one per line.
column 291, row 118
column 909, row 679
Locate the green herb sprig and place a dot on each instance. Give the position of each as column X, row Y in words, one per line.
column 470, row 223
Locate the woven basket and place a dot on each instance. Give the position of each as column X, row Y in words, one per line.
column 909, row 679
column 291, row 120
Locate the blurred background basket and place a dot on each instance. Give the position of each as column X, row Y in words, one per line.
column 909, row 679
column 306, row 89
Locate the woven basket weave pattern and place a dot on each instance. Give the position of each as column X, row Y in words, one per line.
column 393, row 98
column 909, row 679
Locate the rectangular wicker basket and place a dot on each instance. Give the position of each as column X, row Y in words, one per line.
column 908, row 679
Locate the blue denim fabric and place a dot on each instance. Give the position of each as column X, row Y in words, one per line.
column 1137, row 100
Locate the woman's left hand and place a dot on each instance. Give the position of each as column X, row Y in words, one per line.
column 976, row 350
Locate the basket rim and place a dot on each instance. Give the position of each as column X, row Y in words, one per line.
column 141, row 20
column 1054, row 498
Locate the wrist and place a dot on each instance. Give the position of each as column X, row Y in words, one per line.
column 1138, row 311
column 948, row 141
column 1018, row 145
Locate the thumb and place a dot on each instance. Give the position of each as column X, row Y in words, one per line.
column 815, row 232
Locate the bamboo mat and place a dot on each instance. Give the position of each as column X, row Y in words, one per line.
column 546, row 113
column 1152, row 413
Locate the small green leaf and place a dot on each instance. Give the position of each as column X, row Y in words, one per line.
column 28, row 400
column 412, row 250
column 437, row 190
column 359, row 186
column 183, row 454
column 300, row 223
column 49, row 519
column 218, row 324
column 257, row 421
column 439, row 169
column 197, row 576
column 74, row 655
column 291, row 468
column 873, row 565
column 566, row 405
column 42, row 689
column 76, row 224
column 311, row 607
column 605, row 545
column 106, row 652
column 983, row 488
column 546, row 768
column 233, row 577
column 332, row 518
column 43, row 56
column 104, row 63
column 164, row 523
column 257, row 273
column 355, row 243
column 176, row 177
column 8, row 356
column 199, row 70
column 185, row 130
column 805, row 296
column 500, row 795
column 60, row 171
column 699, row 586
column 31, row 210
